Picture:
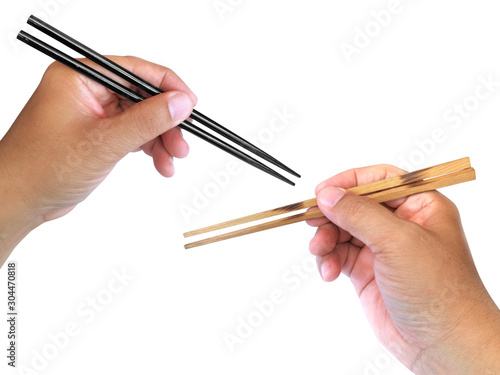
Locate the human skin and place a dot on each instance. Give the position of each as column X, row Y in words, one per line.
column 412, row 269
column 71, row 134
column 409, row 261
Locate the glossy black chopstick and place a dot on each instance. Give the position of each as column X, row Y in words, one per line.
column 133, row 96
column 149, row 88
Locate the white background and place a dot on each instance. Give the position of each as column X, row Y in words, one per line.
column 245, row 64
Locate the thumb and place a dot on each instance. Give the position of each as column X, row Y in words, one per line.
column 148, row 119
column 363, row 218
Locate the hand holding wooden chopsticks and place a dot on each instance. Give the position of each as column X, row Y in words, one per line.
column 427, row 179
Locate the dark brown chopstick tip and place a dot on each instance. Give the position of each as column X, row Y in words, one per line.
column 291, row 207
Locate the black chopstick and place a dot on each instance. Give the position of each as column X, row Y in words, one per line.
column 147, row 87
column 135, row 97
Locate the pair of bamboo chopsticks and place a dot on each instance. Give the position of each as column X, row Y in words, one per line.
column 150, row 89
column 427, row 179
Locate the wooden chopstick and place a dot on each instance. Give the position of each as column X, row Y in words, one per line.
column 261, row 215
column 427, row 179
column 258, row 228
column 421, row 174
column 468, row 174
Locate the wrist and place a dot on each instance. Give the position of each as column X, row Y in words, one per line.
column 17, row 219
column 471, row 347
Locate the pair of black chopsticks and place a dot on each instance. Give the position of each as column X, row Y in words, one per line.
column 147, row 87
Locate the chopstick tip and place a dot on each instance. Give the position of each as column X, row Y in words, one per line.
column 21, row 35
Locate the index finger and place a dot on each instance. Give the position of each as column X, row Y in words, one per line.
column 361, row 176
column 158, row 75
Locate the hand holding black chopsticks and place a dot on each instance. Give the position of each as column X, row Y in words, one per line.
column 150, row 89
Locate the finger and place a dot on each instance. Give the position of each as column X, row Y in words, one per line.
column 396, row 202
column 164, row 78
column 363, row 218
column 148, row 147
column 158, row 75
column 356, row 242
column 361, row 176
column 341, row 259
column 329, row 266
column 344, row 236
column 163, row 161
column 431, row 210
column 324, row 240
column 175, row 144
column 147, row 120
column 318, row 221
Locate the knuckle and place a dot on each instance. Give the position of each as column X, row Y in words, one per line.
column 451, row 208
column 150, row 123
column 168, row 76
column 132, row 58
column 355, row 208
column 52, row 70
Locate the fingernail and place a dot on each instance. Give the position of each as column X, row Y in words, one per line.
column 324, row 269
column 180, row 106
column 329, row 196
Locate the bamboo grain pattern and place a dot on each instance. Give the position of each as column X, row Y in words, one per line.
column 423, row 180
